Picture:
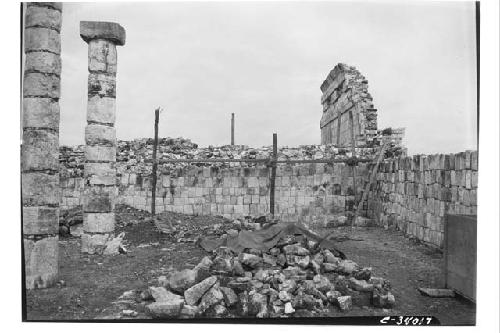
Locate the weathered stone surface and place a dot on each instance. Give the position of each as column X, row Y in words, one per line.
column 40, row 189
column 332, row 296
column 113, row 32
column 230, row 297
column 363, row 274
column 99, row 199
column 160, row 294
column 43, row 62
column 322, row 283
column 295, row 249
column 330, row 258
column 101, row 109
column 383, row 299
column 42, row 39
column 347, row 267
column 360, row 285
column 212, row 297
column 289, row 308
column 182, row 280
column 257, row 305
column 41, row 85
column 189, row 311
column 114, row 245
column 250, row 260
column 43, row 17
column 102, row 56
column 40, row 150
column 41, row 258
column 95, row 243
column 193, row 294
column 40, row 112
column 344, row 303
column 54, row 5
column 99, row 222
column 168, row 309
column 100, row 154
column 102, row 85
column 40, row 220
column 100, row 173
column 96, row 134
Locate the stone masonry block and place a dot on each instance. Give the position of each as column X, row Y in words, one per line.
column 100, row 154
column 41, row 258
column 110, row 31
column 43, row 17
column 40, row 220
column 102, row 56
column 96, row 134
column 40, row 112
column 103, row 85
column 40, row 150
column 100, row 173
column 41, row 85
column 54, row 5
column 101, row 109
column 40, row 189
column 42, row 39
column 95, row 243
column 98, row 199
column 44, row 62
column 99, row 222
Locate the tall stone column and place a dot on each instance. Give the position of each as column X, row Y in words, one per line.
column 40, row 147
column 100, row 135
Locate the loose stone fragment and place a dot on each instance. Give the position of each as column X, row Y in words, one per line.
column 167, row 309
column 180, row 281
column 289, row 308
column 230, row 297
column 344, row 303
column 193, row 294
column 360, row 285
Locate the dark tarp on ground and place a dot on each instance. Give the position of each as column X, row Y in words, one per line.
column 263, row 239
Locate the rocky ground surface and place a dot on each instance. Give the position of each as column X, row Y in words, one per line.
column 161, row 275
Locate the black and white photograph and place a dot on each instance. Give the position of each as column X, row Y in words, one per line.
column 253, row 162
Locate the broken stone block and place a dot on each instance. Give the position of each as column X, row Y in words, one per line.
column 250, row 260
column 237, row 268
column 381, row 299
column 160, row 295
column 189, row 311
column 329, row 267
column 257, row 304
column 295, row 249
column 363, row 274
column 219, row 310
column 332, row 296
column 347, row 267
column 284, row 296
column 289, row 308
column 212, row 297
column 180, row 281
column 168, row 309
column 322, row 283
column 193, row 294
column 344, row 303
column 360, row 285
column 230, row 297
column 242, row 307
column 113, row 245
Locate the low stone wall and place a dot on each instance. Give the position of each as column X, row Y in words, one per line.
column 414, row 193
column 310, row 193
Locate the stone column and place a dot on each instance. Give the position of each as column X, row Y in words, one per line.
column 40, row 146
column 100, row 135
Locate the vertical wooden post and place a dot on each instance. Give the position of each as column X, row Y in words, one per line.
column 232, row 129
column 155, row 163
column 273, row 173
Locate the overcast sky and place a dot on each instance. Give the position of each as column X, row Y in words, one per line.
column 266, row 61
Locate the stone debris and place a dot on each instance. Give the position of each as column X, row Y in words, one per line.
column 250, row 284
column 437, row 292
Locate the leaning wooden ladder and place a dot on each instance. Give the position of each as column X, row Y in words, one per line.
column 369, row 183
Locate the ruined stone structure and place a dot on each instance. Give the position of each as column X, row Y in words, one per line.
column 39, row 152
column 346, row 102
column 100, row 135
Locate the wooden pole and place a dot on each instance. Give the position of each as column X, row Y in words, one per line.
column 155, row 164
column 273, row 173
column 232, row 129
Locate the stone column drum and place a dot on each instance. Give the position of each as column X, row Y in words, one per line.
column 40, row 146
column 100, row 135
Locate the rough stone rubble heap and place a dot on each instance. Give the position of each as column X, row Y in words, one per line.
column 291, row 279
column 39, row 152
column 136, row 155
column 100, row 134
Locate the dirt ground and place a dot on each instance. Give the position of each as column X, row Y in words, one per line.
column 92, row 284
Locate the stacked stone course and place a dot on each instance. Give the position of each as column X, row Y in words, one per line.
column 100, row 134
column 40, row 148
column 414, row 193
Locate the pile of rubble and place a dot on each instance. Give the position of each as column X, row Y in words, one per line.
column 292, row 279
